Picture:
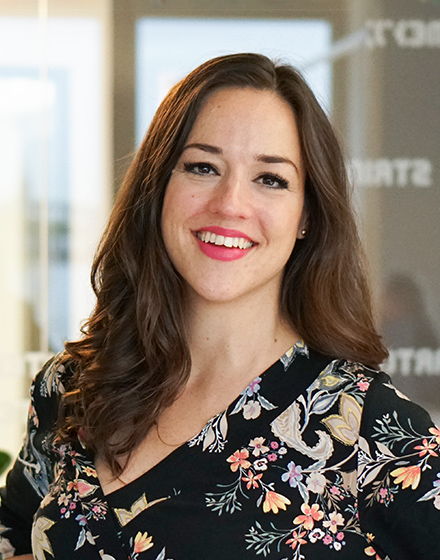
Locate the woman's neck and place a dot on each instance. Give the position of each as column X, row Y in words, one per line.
column 243, row 335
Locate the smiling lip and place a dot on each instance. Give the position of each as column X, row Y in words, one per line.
column 223, row 244
column 225, row 232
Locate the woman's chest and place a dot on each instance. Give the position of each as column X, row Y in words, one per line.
column 224, row 494
column 178, row 424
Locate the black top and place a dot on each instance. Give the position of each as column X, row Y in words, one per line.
column 315, row 459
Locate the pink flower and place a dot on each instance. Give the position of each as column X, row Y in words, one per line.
column 327, row 540
column 272, row 457
column 274, row 445
column 363, row 385
column 383, row 492
column 340, row 536
column 84, row 488
column 335, row 491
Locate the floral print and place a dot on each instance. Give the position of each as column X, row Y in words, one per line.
column 311, row 514
column 293, row 475
column 142, row 542
column 251, row 402
column 314, row 459
column 213, row 435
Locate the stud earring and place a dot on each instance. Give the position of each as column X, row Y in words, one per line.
column 303, row 232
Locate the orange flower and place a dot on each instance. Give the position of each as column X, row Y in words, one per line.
column 274, row 502
column 238, row 459
column 311, row 514
column 252, row 479
column 296, row 539
column 409, row 476
column 426, row 448
column 142, row 542
column 435, row 432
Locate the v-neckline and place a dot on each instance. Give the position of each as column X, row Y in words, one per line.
column 296, row 359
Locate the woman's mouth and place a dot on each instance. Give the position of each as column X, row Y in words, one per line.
column 225, row 241
column 223, row 244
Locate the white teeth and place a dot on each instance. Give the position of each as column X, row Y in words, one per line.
column 209, row 237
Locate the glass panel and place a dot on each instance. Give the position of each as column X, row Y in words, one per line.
column 159, row 64
column 50, row 141
column 391, row 111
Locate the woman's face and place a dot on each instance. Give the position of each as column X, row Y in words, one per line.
column 234, row 205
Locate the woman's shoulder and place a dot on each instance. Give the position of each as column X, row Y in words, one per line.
column 48, row 387
column 371, row 392
column 363, row 401
column 55, row 375
column 385, row 404
column 398, row 472
column 349, row 378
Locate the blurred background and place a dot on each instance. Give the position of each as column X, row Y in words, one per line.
column 79, row 83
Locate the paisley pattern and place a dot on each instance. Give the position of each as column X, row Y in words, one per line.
column 314, row 459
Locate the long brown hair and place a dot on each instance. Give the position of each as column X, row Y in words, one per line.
column 134, row 358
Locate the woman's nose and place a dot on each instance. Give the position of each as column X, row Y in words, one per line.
column 231, row 198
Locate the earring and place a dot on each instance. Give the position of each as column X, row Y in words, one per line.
column 303, row 232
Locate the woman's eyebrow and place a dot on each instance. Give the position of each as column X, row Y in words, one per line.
column 276, row 159
column 261, row 157
column 204, row 147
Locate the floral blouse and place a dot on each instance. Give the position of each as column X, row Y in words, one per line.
column 315, row 459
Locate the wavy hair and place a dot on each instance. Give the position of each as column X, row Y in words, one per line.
column 134, row 356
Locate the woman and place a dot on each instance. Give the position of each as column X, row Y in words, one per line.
column 217, row 406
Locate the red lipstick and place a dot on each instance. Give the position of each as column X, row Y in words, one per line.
column 225, row 232
column 221, row 252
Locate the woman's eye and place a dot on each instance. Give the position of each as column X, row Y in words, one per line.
column 200, row 168
column 273, row 181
